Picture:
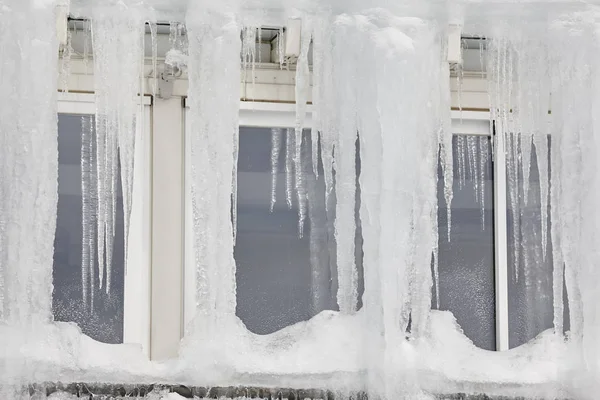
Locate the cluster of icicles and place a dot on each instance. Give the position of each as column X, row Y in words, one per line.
column 108, row 140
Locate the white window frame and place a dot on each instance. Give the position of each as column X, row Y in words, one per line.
column 282, row 115
column 136, row 315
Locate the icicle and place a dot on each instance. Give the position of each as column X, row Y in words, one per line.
column 173, row 33
column 153, row 32
column 249, row 52
column 318, row 47
column 541, row 146
column 86, row 45
column 461, row 150
column 214, row 79
column 280, row 47
column 318, row 245
column 525, row 158
column 65, row 61
column 118, row 55
column 275, row 147
column 300, row 187
column 345, row 172
column 483, row 158
column 289, row 166
column 234, row 180
column 93, row 222
column 28, row 174
column 302, row 91
column 445, row 145
column 473, row 165
column 86, row 225
column 259, row 43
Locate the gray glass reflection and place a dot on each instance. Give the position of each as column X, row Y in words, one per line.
column 530, row 295
column 103, row 322
column 466, row 261
column 281, row 278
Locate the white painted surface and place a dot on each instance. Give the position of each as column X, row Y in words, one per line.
column 167, row 228
column 500, row 239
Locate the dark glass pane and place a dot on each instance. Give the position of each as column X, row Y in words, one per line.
column 466, row 261
column 281, row 278
column 530, row 294
column 104, row 320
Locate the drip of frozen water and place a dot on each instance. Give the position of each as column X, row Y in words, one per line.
column 325, row 115
column 153, row 32
column 280, row 47
column 86, row 45
column 483, row 159
column 289, row 167
column 300, row 187
column 117, row 41
column 65, row 61
column 318, row 28
column 473, row 165
column 276, row 134
column 28, row 163
column 87, row 246
column 345, row 171
column 460, row 146
column 249, row 37
column 446, row 150
column 214, row 73
column 302, row 90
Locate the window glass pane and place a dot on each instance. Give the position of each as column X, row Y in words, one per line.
column 466, row 260
column 103, row 320
column 530, row 297
column 282, row 278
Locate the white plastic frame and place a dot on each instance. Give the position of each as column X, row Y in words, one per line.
column 260, row 114
column 136, row 319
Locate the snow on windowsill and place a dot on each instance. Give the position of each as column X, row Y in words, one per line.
column 318, row 353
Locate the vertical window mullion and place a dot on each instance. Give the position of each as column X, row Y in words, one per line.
column 500, row 239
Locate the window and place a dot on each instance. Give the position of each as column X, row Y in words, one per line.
column 530, row 266
column 466, row 259
column 79, row 295
column 120, row 315
column 282, row 277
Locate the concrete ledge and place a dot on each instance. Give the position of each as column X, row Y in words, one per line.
column 125, row 391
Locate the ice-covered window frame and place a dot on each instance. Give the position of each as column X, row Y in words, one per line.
column 123, row 315
column 476, row 280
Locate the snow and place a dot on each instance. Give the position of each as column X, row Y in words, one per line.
column 379, row 77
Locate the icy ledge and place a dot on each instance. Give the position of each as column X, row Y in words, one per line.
column 324, row 352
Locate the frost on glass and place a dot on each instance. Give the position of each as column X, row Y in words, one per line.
column 77, row 296
column 466, row 258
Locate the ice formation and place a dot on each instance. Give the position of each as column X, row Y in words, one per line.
column 380, row 90
column 118, row 62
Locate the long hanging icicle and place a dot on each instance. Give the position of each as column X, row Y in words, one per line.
column 445, row 135
column 214, row 74
column 248, row 51
column 117, row 43
column 302, row 91
column 65, row 61
column 345, row 171
column 276, row 134
column 86, row 210
column 153, row 33
column 483, row 159
column 289, row 167
column 28, row 165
